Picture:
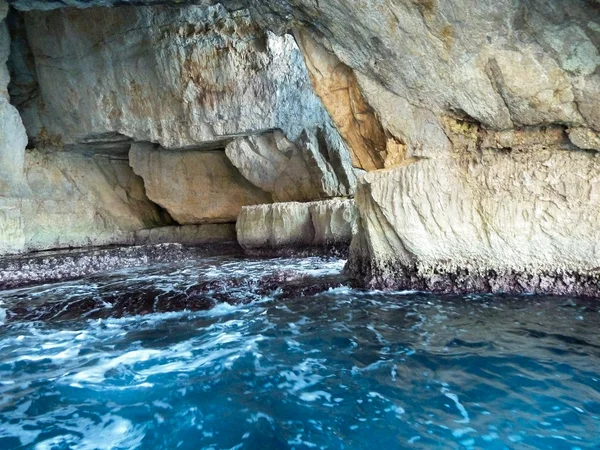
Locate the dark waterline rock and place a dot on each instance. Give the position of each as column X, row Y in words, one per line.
column 52, row 266
column 186, row 284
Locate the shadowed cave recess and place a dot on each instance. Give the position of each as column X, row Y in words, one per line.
column 444, row 146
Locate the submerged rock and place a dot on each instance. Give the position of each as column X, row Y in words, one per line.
column 184, row 281
column 295, row 226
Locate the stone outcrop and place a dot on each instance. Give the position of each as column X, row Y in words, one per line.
column 78, row 201
column 194, row 186
column 189, row 235
column 52, row 267
column 492, row 108
column 213, row 112
column 491, row 219
column 292, row 226
column 13, row 140
column 194, row 81
column 12, row 133
column 311, row 169
column 372, row 147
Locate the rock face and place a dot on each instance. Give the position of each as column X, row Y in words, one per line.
column 293, row 226
column 490, row 106
column 194, row 186
column 179, row 77
column 371, row 145
column 521, row 219
column 192, row 80
column 13, row 140
column 477, row 122
column 311, row 169
column 191, row 235
column 12, row 134
column 79, row 201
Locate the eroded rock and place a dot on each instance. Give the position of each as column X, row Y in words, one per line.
column 190, row 235
column 79, row 201
column 481, row 111
column 585, row 138
column 316, row 167
column 13, row 138
column 296, row 226
column 481, row 222
column 42, row 268
column 186, row 77
column 194, row 186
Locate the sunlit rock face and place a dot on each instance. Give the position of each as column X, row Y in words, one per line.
column 79, row 201
column 487, row 220
column 59, row 199
column 488, row 128
column 194, row 186
column 315, row 167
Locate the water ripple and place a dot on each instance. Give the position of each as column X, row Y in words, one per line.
column 260, row 367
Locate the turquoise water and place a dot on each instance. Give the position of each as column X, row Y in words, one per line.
column 225, row 354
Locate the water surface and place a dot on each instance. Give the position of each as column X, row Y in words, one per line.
column 233, row 353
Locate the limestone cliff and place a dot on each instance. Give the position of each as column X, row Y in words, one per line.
column 485, row 151
column 192, row 98
column 477, row 123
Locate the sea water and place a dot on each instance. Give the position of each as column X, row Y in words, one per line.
column 201, row 355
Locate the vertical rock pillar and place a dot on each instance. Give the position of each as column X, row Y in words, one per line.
column 13, row 140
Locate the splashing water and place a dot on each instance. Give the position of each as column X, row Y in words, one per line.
column 225, row 353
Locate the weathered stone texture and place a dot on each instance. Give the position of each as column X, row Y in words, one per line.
column 179, row 77
column 477, row 121
column 59, row 266
column 13, row 138
column 79, row 201
column 313, row 168
column 531, row 212
column 194, row 186
column 191, row 235
column 294, row 225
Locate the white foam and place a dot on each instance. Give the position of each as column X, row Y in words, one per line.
column 298, row 441
column 112, row 432
column 97, row 373
column 260, row 415
column 459, row 406
column 373, row 394
column 302, row 376
column 25, row 436
column 312, row 396
column 460, row 432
